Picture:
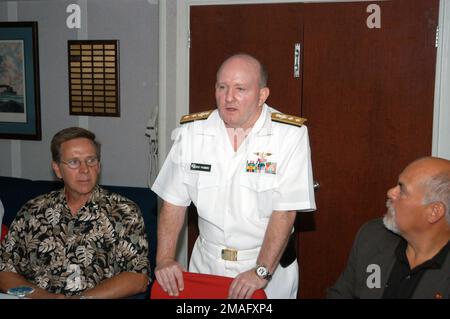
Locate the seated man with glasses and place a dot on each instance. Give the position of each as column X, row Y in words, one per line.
column 81, row 241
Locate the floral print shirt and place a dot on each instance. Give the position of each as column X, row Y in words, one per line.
column 68, row 254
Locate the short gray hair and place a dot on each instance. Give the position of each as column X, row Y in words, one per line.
column 437, row 189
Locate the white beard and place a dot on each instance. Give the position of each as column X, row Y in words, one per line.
column 389, row 218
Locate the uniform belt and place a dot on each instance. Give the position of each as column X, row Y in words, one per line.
column 229, row 254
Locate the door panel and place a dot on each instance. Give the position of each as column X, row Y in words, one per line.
column 367, row 95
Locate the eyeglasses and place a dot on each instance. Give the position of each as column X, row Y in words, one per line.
column 75, row 163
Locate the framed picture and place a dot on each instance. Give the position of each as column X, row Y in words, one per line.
column 19, row 81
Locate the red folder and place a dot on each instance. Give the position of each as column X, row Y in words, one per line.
column 4, row 232
column 201, row 286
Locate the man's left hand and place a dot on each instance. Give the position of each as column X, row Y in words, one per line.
column 245, row 284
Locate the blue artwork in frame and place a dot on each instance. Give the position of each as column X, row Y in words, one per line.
column 19, row 81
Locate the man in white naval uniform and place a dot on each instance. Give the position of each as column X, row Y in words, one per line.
column 247, row 169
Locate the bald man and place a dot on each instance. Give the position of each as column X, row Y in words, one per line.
column 405, row 255
column 247, row 169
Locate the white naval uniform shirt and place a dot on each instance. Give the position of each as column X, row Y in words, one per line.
column 233, row 194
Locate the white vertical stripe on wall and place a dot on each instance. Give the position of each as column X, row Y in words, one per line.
column 16, row 154
column 162, row 90
column 441, row 125
column 12, row 10
column 83, row 121
column 16, row 159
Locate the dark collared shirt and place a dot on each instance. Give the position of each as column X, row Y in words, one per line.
column 403, row 280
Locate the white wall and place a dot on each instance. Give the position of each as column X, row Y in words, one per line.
column 135, row 24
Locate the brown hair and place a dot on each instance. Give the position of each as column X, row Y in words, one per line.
column 68, row 134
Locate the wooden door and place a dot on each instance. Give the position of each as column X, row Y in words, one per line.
column 367, row 94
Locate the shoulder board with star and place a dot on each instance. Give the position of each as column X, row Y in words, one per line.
column 288, row 119
column 195, row 116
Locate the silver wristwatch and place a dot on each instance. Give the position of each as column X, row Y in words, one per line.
column 263, row 272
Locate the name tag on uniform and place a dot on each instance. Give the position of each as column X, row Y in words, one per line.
column 200, row 167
